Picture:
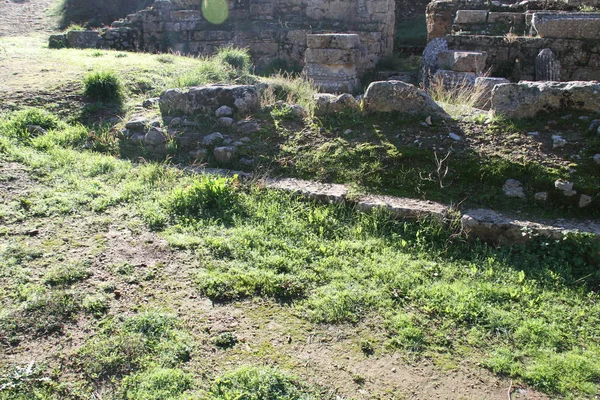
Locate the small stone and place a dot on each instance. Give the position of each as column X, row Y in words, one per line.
column 213, row 139
column 563, row 185
column 594, row 125
column 150, row 103
column 424, row 124
column 245, row 139
column 224, row 154
column 568, row 116
column 298, row 111
column 541, row 196
column 36, row 130
column 513, row 188
column 175, row 122
column 584, row 118
column 155, row 123
column 570, row 193
column 454, row 136
column 137, row 138
column 238, row 143
column 227, row 141
column 347, row 131
column 533, row 133
column 584, row 200
column 224, row 111
column 558, row 141
column 199, row 154
column 225, row 121
column 552, row 123
column 247, row 127
column 155, row 137
column 136, row 123
column 428, row 121
column 596, row 158
column 247, row 161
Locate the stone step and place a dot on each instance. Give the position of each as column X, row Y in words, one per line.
column 487, row 225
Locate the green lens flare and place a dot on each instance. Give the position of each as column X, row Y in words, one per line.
column 215, row 11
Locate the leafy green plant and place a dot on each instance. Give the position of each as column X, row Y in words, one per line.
column 225, row 340
column 103, row 86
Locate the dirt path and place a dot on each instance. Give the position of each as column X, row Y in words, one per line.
column 23, row 17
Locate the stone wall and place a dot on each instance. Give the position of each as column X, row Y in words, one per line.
column 271, row 29
column 515, row 58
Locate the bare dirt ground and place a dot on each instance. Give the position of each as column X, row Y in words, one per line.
column 22, row 17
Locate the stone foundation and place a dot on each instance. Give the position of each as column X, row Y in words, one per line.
column 273, row 30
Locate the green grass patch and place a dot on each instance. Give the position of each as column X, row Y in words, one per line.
column 103, row 86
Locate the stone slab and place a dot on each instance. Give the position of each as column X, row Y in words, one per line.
column 83, row 39
column 404, row 208
column 473, row 17
column 331, row 56
column 567, row 25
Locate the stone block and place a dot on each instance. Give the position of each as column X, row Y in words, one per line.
column 57, row 41
column 484, row 86
column 396, row 96
column 333, row 41
column 186, row 15
column 567, row 25
column 471, row 17
column 205, row 100
column 331, row 56
column 463, row 61
column 527, row 99
column 83, row 39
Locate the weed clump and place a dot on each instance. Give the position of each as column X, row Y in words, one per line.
column 26, row 123
column 103, row 86
column 157, row 384
column 258, row 383
column 206, row 196
column 235, row 57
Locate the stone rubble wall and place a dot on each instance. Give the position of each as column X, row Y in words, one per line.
column 271, row 29
column 513, row 35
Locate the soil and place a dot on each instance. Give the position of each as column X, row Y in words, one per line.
column 23, row 17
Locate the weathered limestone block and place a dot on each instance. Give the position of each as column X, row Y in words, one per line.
column 463, row 61
column 429, row 60
column 326, row 103
column 567, row 25
column 440, row 17
column 547, row 67
column 205, row 100
column 397, row 96
column 527, row 99
column 341, row 41
column 471, row 17
column 83, row 39
column 332, row 69
column 453, row 80
column 484, row 87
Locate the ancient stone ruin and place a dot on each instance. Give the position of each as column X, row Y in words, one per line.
column 273, row 30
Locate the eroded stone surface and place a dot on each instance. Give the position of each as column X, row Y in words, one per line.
column 397, row 96
column 205, row 100
column 527, row 99
column 567, row 25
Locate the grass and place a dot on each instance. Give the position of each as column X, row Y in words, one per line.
column 103, row 86
column 436, row 295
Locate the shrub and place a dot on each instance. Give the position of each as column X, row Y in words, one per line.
column 291, row 90
column 103, row 86
column 18, row 123
column 258, row 383
column 236, row 57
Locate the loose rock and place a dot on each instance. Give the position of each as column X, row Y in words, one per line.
column 558, row 141
column 584, row 200
column 224, row 154
column 136, row 123
column 155, row 137
column 396, row 96
column 224, row 111
column 513, row 188
column 213, row 139
column 541, row 196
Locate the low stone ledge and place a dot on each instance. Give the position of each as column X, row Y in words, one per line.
column 404, row 208
column 492, row 226
column 325, row 192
